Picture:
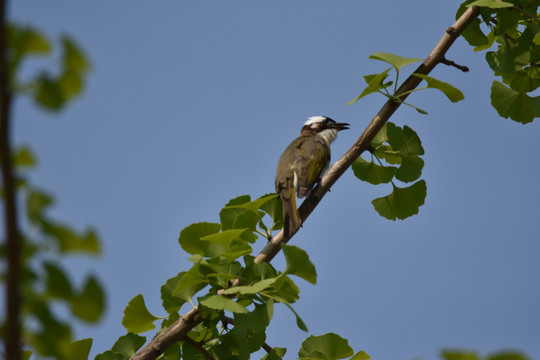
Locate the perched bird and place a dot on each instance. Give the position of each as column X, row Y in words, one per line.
column 303, row 164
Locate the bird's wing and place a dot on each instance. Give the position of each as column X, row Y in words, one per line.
column 314, row 158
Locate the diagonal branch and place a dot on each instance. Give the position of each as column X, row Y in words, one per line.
column 363, row 143
column 178, row 330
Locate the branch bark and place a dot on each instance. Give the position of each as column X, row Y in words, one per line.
column 153, row 349
column 12, row 345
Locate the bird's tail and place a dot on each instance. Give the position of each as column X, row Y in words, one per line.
column 291, row 217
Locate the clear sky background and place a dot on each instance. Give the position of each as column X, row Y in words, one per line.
column 190, row 104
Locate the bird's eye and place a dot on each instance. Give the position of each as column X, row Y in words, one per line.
column 326, row 121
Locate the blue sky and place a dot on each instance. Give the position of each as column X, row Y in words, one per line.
column 190, row 104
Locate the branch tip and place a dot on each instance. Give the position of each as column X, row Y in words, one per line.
column 463, row 68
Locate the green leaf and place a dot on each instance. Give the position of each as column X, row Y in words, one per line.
column 375, row 82
column 459, row 355
column 275, row 210
column 371, row 172
column 328, row 346
column 240, row 213
column 58, row 284
column 90, row 303
column 74, row 58
column 395, row 60
column 173, row 352
column 251, row 289
column 411, row 164
column 36, row 203
column 405, row 149
column 192, row 353
column 361, row 355
column 492, row 4
column 298, row 263
column 224, row 238
column 54, row 92
column 78, row 350
column 507, row 355
column 69, row 241
column 111, row 355
column 286, row 289
column 525, row 80
column 49, row 93
column 514, row 104
column 451, row 92
column 174, row 303
column 190, row 283
column 256, row 320
column 490, row 41
column 410, row 169
column 536, row 39
column 511, row 56
column 24, row 41
column 137, row 319
column 190, row 238
column 299, row 322
column 128, row 344
column 26, row 354
column 276, row 353
column 402, row 202
column 24, row 158
column 472, row 33
column 218, row 302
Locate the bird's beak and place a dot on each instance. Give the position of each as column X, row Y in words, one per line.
column 339, row 126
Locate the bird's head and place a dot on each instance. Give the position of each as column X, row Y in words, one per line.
column 323, row 126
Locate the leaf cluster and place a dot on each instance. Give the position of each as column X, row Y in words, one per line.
column 222, row 259
column 51, row 299
column 514, row 27
column 376, row 83
column 51, row 90
column 401, row 149
column 397, row 146
column 46, row 285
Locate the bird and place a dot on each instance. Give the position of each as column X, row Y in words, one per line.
column 302, row 165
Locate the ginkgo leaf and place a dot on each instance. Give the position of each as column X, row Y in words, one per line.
column 327, row 346
column 90, row 302
column 490, row 4
column 514, row 104
column 402, row 202
column 395, row 60
column 137, row 319
column 452, row 93
column 218, row 302
column 375, row 82
column 298, row 263
column 371, row 172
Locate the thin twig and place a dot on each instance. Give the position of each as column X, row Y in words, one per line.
column 463, row 68
column 526, row 13
column 12, row 329
column 199, row 347
column 177, row 331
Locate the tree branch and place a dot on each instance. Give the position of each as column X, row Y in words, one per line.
column 526, row 13
column 12, row 246
column 174, row 333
